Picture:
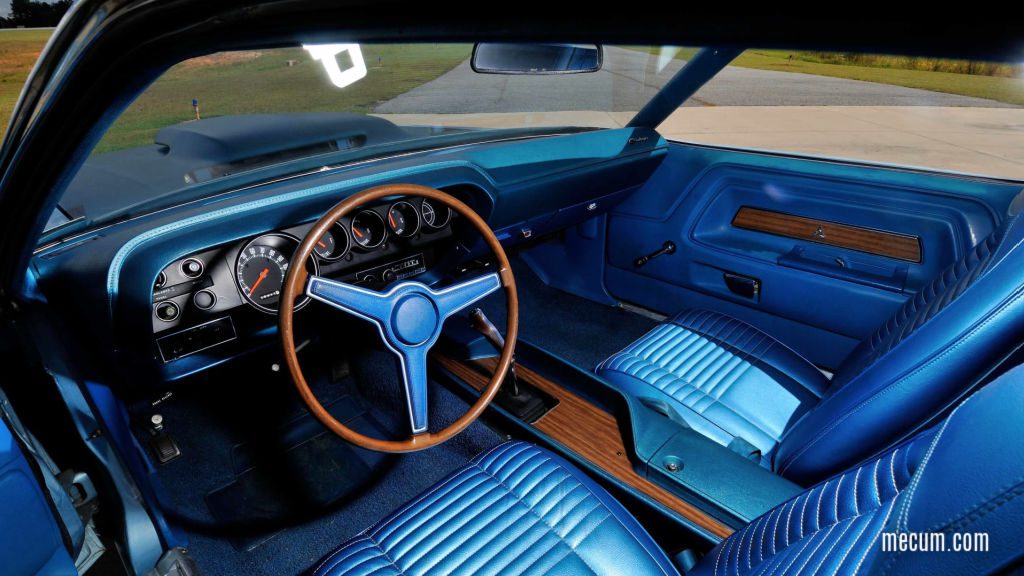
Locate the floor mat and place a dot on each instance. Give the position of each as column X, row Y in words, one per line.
column 301, row 482
column 579, row 330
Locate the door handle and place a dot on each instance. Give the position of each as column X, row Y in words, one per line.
column 744, row 286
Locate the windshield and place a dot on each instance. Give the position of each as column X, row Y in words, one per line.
column 232, row 118
column 231, row 113
column 409, row 85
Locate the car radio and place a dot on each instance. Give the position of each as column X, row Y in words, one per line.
column 392, row 271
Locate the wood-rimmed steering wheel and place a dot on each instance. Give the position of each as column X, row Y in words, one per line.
column 409, row 318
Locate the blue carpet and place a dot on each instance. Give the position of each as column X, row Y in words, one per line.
column 581, row 331
column 236, row 430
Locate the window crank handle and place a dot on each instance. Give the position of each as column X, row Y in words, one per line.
column 668, row 247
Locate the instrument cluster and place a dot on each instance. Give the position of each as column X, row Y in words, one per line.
column 372, row 246
column 263, row 262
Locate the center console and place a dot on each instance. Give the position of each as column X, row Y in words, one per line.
column 702, row 484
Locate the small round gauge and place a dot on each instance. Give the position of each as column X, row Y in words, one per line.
column 261, row 268
column 368, row 229
column 435, row 216
column 403, row 219
column 325, row 245
column 333, row 244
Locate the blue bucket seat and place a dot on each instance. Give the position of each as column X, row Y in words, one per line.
column 743, row 388
column 519, row 509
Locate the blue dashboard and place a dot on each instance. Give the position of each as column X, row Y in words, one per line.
column 118, row 284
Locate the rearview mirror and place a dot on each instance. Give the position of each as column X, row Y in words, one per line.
column 536, row 58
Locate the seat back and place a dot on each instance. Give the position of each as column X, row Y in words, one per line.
column 931, row 353
column 962, row 477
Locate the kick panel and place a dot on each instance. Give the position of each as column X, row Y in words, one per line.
column 878, row 242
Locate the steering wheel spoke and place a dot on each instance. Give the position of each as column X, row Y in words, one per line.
column 457, row 297
column 414, row 380
column 355, row 300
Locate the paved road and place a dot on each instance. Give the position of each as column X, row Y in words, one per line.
column 628, row 80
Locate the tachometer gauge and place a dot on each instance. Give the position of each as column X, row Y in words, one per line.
column 403, row 219
column 260, row 270
column 435, row 217
column 368, row 229
column 333, row 244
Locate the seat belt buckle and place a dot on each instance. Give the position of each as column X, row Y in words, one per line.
column 82, row 492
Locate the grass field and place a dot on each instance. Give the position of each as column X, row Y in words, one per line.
column 255, row 82
column 1000, row 88
column 1003, row 89
column 18, row 52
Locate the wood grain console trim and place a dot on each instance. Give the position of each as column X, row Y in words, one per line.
column 878, row 242
column 590, row 432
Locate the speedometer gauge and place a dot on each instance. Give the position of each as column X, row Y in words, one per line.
column 261, row 271
column 261, row 268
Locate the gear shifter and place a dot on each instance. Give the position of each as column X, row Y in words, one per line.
column 482, row 324
column 524, row 401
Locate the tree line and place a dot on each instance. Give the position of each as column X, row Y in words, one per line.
column 34, row 14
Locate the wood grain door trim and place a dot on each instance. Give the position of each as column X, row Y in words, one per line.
column 862, row 239
column 590, row 432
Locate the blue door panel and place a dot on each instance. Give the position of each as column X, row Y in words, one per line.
column 819, row 299
column 30, row 539
column 820, row 346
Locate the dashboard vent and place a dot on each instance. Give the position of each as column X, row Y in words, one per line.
column 269, row 159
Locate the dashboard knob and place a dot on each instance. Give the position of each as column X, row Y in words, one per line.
column 192, row 268
column 388, row 275
column 204, row 299
column 167, row 311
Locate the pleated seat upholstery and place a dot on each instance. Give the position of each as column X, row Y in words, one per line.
column 517, row 509
column 830, row 529
column 723, row 377
column 961, row 477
